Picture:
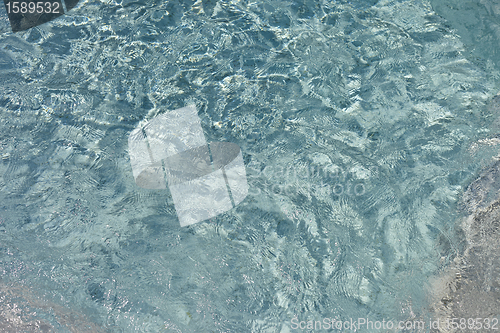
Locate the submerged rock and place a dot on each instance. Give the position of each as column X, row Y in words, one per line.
column 470, row 288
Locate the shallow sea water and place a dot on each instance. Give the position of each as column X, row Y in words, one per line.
column 358, row 122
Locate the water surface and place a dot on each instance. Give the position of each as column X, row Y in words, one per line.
column 355, row 120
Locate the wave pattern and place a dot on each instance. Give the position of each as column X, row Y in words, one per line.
column 352, row 117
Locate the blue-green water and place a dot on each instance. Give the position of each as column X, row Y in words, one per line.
column 357, row 121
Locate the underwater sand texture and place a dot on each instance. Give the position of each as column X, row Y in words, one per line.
column 21, row 310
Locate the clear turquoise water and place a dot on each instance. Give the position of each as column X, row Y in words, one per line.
column 357, row 122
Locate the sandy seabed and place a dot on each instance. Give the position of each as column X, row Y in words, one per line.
column 22, row 310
